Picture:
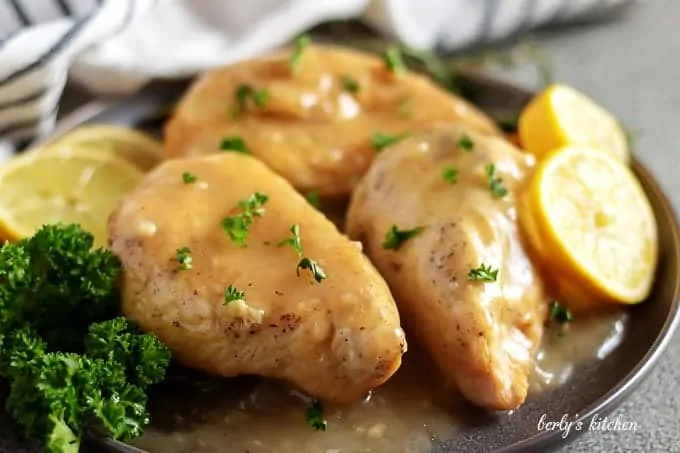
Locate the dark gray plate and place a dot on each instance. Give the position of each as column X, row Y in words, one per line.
column 595, row 389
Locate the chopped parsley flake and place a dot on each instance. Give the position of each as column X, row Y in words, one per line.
column 305, row 263
column 450, row 174
column 313, row 266
column 396, row 237
column 559, row 313
column 237, row 226
column 394, row 61
column 188, row 178
column 380, row 140
column 300, row 45
column 231, row 294
column 495, row 184
column 465, row 143
column 234, row 144
column 483, row 273
column 294, row 242
column 349, row 84
column 313, row 199
column 260, row 98
column 314, row 416
column 244, row 93
column 184, row 258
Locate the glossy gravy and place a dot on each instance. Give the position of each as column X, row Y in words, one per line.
column 406, row 415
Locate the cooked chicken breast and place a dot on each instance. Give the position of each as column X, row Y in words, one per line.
column 483, row 334
column 313, row 126
column 335, row 339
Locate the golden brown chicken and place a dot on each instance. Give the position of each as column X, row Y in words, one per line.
column 313, row 126
column 463, row 283
column 207, row 268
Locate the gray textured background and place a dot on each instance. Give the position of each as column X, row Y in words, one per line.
column 632, row 67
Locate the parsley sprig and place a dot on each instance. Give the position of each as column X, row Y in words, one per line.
column 450, row 174
column 305, row 263
column 234, row 144
column 317, row 272
column 495, row 183
column 349, row 84
column 314, row 199
column 231, row 294
column 238, row 225
column 396, row 237
column 299, row 47
column 484, row 273
column 314, row 416
column 245, row 93
column 188, row 178
column 294, row 242
column 184, row 258
column 559, row 313
column 381, row 140
column 465, row 143
column 394, row 61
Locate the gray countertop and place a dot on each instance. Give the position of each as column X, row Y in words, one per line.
column 632, row 67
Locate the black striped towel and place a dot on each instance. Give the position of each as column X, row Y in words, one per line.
column 117, row 45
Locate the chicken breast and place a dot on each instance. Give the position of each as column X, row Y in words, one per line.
column 483, row 334
column 312, row 126
column 183, row 270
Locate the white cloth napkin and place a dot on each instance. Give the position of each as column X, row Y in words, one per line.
column 115, row 46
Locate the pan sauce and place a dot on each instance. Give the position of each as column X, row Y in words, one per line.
column 413, row 408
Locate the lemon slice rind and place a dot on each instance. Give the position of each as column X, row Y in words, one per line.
column 614, row 258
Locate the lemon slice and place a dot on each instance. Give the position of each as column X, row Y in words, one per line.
column 561, row 116
column 137, row 147
column 588, row 219
column 81, row 187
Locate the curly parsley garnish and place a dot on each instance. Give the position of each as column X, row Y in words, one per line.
column 450, row 174
column 300, row 45
column 188, row 178
column 184, row 258
column 231, row 294
column 305, row 263
column 245, row 93
column 237, row 226
column 58, row 295
column 349, row 84
column 465, row 143
column 394, row 61
column 483, row 273
column 314, row 416
column 380, row 140
column 234, row 144
column 396, row 237
column 559, row 313
column 495, row 184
